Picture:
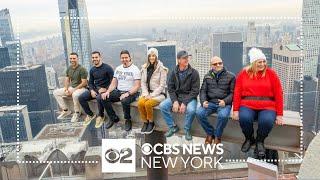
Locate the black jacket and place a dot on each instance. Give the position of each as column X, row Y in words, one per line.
column 184, row 91
column 221, row 87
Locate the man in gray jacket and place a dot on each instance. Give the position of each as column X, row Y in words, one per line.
column 183, row 88
column 216, row 95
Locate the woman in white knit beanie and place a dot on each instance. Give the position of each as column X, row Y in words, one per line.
column 257, row 96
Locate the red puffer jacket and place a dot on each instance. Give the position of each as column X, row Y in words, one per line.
column 268, row 86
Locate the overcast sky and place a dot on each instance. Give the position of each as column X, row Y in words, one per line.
column 38, row 14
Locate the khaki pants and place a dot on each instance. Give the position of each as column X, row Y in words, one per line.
column 59, row 95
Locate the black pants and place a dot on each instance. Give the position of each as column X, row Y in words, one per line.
column 115, row 97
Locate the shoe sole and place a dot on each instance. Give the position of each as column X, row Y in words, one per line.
column 77, row 120
column 88, row 122
column 248, row 149
column 174, row 132
column 110, row 126
column 188, row 139
column 98, row 126
column 150, row 131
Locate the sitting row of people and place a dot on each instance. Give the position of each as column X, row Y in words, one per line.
column 256, row 94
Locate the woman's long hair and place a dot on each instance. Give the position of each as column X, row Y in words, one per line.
column 253, row 71
column 155, row 62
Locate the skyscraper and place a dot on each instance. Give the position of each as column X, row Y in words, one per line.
column 75, row 30
column 201, row 57
column 265, row 37
column 232, row 56
column 4, row 57
column 15, row 52
column 7, row 38
column 166, row 52
column 223, row 37
column 251, row 34
column 8, row 123
column 6, row 30
column 317, row 123
column 309, row 106
column 311, row 35
column 287, row 63
column 33, row 92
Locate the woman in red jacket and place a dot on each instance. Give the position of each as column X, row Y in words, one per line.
column 257, row 95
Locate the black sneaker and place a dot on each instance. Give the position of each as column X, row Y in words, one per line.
column 109, row 124
column 247, row 144
column 144, row 127
column 128, row 125
column 150, row 128
column 261, row 151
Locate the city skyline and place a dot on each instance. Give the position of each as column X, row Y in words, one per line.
column 139, row 25
column 114, row 13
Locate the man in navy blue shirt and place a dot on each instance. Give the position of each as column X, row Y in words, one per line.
column 101, row 75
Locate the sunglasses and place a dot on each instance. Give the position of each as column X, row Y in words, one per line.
column 218, row 63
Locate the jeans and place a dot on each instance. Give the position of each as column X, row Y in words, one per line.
column 115, row 97
column 84, row 98
column 166, row 106
column 222, row 120
column 266, row 119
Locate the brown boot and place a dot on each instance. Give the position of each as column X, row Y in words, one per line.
column 209, row 139
column 217, row 140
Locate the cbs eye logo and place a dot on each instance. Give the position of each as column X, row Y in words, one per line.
column 113, row 155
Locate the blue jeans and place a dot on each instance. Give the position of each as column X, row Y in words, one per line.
column 166, row 106
column 266, row 119
column 222, row 120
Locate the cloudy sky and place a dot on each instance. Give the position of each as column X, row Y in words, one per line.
column 40, row 14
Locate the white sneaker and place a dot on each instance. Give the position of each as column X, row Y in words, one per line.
column 64, row 114
column 88, row 119
column 75, row 117
column 99, row 121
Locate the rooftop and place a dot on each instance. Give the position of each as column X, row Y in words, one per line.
column 294, row 47
column 61, row 130
column 19, row 68
column 12, row 108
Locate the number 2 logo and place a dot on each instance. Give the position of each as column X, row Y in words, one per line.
column 113, row 155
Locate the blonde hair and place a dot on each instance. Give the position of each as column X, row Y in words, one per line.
column 252, row 70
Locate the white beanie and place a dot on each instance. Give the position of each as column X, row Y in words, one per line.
column 153, row 51
column 256, row 54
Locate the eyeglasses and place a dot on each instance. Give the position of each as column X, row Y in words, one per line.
column 218, row 63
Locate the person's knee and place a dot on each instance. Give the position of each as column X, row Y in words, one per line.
column 191, row 109
column 149, row 104
column 141, row 103
column 83, row 97
column 98, row 97
column 266, row 121
column 245, row 117
column 75, row 95
column 224, row 114
column 164, row 105
column 126, row 102
column 200, row 112
column 55, row 92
